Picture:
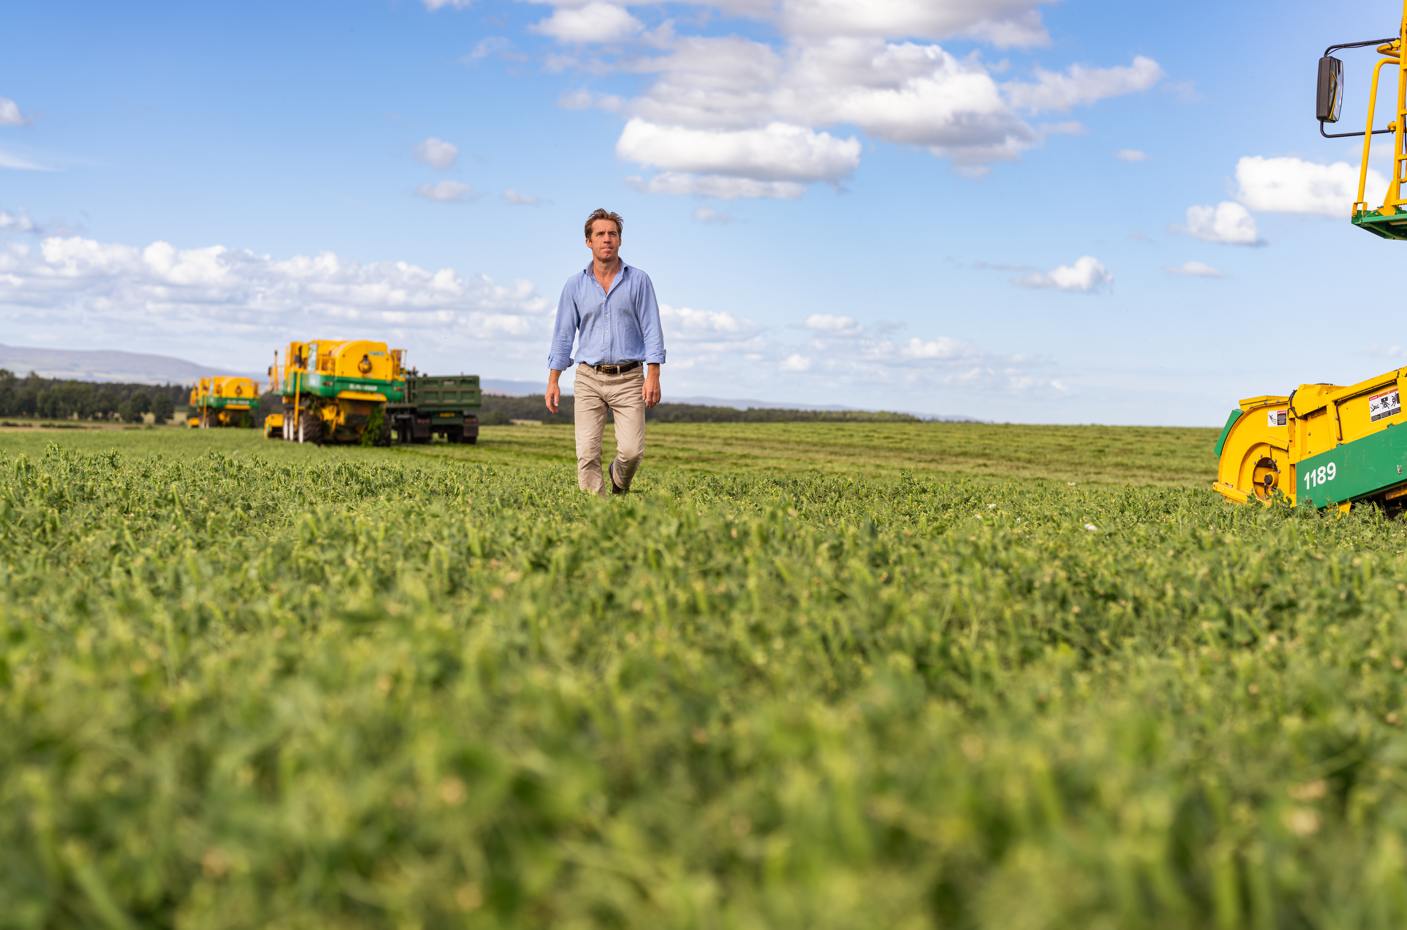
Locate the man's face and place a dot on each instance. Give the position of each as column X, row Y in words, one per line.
column 604, row 241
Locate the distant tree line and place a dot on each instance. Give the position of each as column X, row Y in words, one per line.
column 64, row 399
column 502, row 410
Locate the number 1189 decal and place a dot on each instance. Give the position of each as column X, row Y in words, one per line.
column 1318, row 476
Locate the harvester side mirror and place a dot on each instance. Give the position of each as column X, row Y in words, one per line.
column 1328, row 103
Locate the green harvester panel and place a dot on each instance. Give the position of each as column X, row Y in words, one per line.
column 1359, row 468
column 331, row 386
column 1391, row 226
column 433, row 393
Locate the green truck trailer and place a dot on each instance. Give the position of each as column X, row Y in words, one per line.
column 444, row 404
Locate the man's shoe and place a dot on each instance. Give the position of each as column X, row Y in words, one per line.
column 615, row 488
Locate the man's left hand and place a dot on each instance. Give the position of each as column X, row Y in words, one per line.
column 651, row 390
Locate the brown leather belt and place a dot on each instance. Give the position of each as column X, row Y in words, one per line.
column 614, row 369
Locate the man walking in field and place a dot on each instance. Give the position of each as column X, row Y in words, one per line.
column 610, row 310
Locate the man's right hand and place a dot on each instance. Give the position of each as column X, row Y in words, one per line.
column 554, row 392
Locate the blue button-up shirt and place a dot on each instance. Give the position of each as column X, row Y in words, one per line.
column 616, row 326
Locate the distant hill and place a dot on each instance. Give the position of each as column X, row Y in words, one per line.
column 104, row 365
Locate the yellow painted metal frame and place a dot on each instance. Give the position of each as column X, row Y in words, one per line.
column 1393, row 56
column 1318, row 418
column 354, row 359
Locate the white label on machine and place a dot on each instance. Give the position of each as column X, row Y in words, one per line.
column 1276, row 417
column 1386, row 404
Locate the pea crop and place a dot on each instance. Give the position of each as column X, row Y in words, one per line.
column 244, row 683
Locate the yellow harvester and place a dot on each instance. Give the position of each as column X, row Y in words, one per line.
column 1325, row 445
column 336, row 391
column 223, row 402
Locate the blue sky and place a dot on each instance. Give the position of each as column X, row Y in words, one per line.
column 909, row 204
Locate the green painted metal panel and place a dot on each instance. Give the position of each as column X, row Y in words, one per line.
column 436, row 393
column 1226, row 430
column 329, row 386
column 1392, row 226
column 1354, row 470
column 220, row 402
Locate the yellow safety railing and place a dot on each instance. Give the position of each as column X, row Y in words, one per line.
column 1393, row 56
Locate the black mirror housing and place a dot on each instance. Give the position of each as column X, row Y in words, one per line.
column 1328, row 103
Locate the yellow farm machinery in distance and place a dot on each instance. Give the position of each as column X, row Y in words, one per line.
column 336, row 392
column 223, row 402
column 1324, row 445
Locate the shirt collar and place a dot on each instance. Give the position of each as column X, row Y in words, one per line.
column 590, row 274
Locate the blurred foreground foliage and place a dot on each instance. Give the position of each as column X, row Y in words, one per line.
column 372, row 689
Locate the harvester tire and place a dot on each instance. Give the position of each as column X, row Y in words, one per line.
column 310, row 430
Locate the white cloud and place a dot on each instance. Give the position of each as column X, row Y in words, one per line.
column 594, row 22
column 1001, row 22
column 7, row 160
column 1080, row 86
column 709, row 337
column 162, row 292
column 1391, row 352
column 1228, row 223
column 1130, row 155
column 940, row 349
column 795, row 362
column 711, row 215
column 18, row 221
column 445, row 192
column 580, row 99
column 715, row 185
column 779, row 111
column 844, row 352
column 583, row 99
column 774, row 153
column 1194, row 270
column 901, row 93
column 437, row 153
column 1087, row 275
column 705, row 325
column 905, row 93
column 456, row 4
column 10, row 114
column 525, row 200
column 828, row 323
column 494, row 47
column 1289, row 185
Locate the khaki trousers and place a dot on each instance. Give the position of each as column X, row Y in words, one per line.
column 594, row 394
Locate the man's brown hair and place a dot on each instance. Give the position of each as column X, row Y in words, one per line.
column 604, row 214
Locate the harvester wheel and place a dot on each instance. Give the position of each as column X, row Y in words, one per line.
column 310, row 430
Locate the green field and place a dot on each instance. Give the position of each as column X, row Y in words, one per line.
column 810, row 676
